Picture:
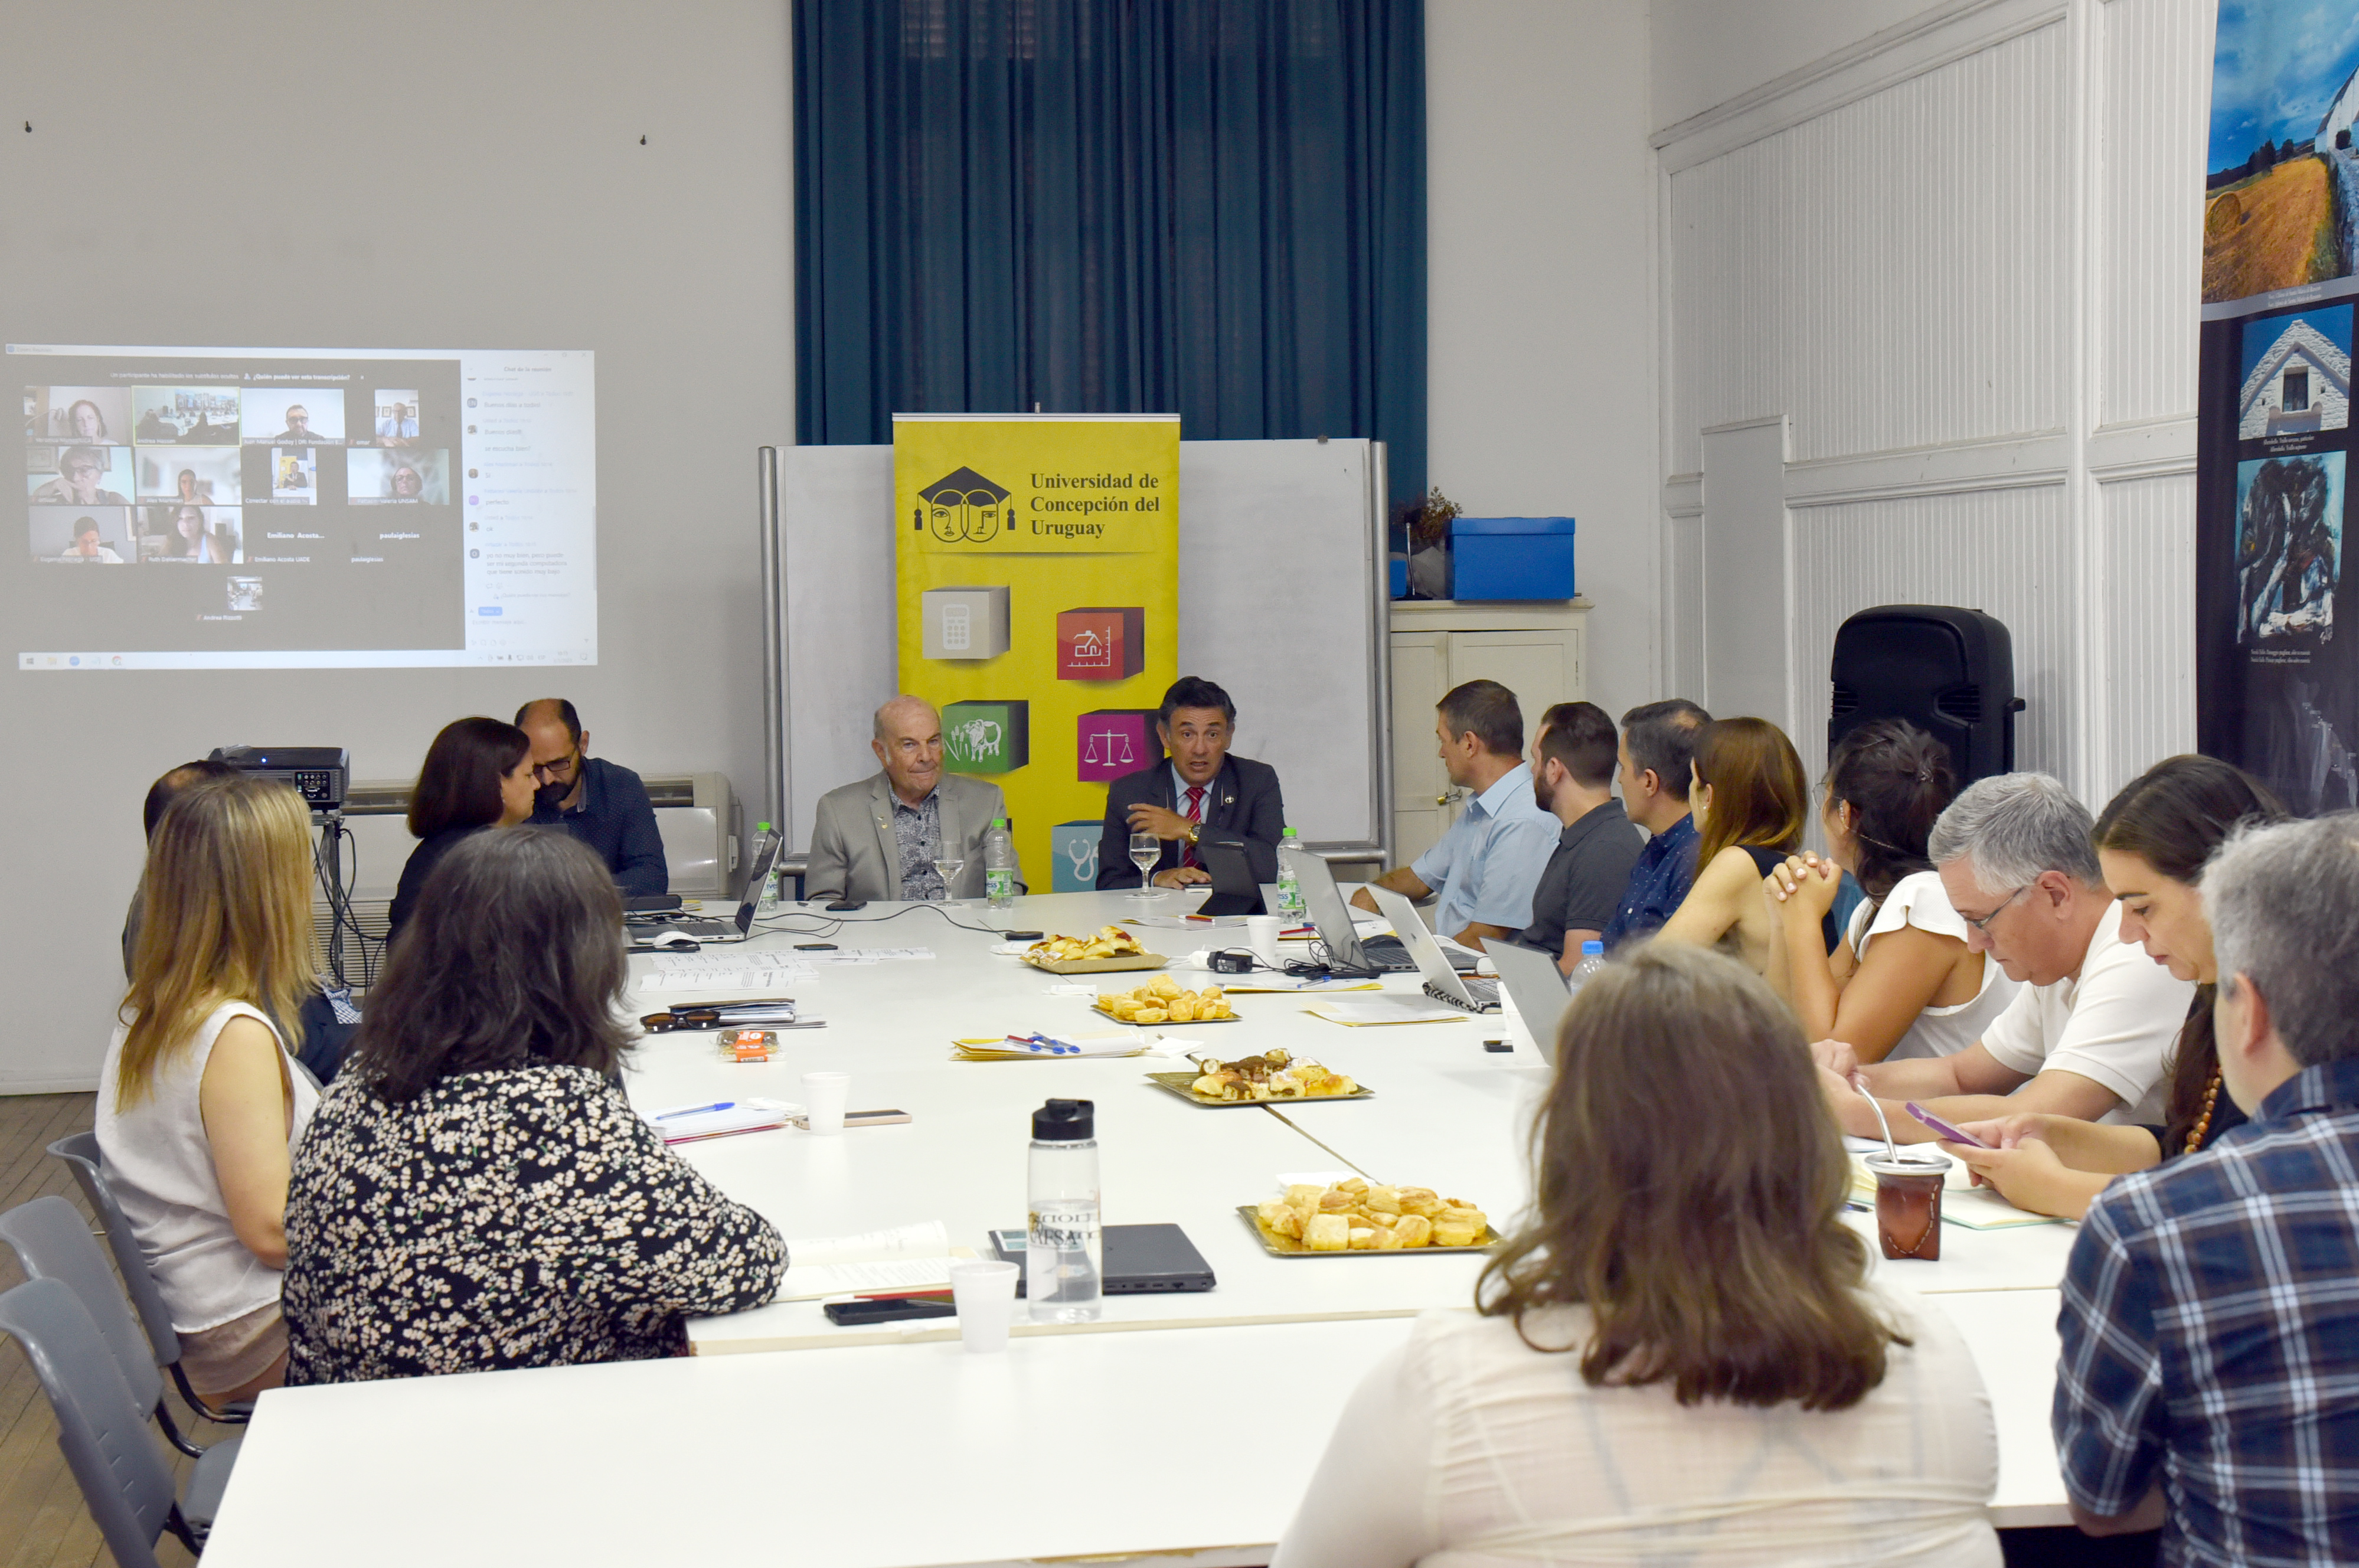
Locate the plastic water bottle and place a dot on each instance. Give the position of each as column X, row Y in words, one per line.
column 1592, row 961
column 1290, row 881
column 1063, row 1256
column 769, row 899
column 999, row 864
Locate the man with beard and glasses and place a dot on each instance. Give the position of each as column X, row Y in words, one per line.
column 599, row 802
column 1573, row 757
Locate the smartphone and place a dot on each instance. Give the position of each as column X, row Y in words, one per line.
column 1954, row 1134
column 845, row 906
column 1022, row 936
column 814, row 947
column 847, row 1313
column 874, row 1119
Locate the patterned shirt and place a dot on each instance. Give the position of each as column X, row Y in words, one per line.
column 2211, row 1337
column 1659, row 883
column 519, row 1217
column 918, row 831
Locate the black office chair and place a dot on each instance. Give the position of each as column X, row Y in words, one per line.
column 80, row 1153
column 123, row 1479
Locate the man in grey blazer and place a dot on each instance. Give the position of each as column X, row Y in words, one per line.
column 879, row 838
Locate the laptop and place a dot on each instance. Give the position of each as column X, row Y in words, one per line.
column 1139, row 1259
column 1536, row 985
column 1235, row 891
column 704, row 931
column 1324, row 904
column 1443, row 982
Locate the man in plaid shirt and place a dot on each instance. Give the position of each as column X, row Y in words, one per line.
column 2210, row 1376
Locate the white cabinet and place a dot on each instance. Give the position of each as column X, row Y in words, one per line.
column 1534, row 650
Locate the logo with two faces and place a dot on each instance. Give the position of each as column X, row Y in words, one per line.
column 962, row 508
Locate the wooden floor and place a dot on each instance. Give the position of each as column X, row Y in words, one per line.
column 42, row 1521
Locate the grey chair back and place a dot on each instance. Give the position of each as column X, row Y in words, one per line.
column 52, row 1242
column 101, row 1426
column 80, row 1154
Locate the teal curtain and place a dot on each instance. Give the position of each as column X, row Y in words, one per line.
column 1114, row 206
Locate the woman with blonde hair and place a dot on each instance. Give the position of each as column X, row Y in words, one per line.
column 1751, row 802
column 1680, row 1356
column 199, row 1107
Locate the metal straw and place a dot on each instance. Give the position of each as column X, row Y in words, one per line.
column 1859, row 1082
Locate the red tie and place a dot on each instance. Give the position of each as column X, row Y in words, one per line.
column 1196, row 815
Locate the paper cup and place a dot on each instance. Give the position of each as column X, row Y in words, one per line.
column 1261, row 935
column 985, row 1292
column 824, row 1095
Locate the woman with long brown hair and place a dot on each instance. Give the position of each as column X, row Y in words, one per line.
column 477, row 775
column 1751, row 802
column 2152, row 841
column 1679, row 1358
column 198, row 1109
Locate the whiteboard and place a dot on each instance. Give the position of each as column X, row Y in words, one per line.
column 1282, row 601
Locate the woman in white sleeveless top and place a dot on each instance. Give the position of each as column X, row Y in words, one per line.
column 1679, row 1359
column 198, row 1105
column 1903, row 981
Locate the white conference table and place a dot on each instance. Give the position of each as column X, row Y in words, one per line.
column 889, row 1446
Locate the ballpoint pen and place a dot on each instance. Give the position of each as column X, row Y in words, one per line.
column 696, row 1110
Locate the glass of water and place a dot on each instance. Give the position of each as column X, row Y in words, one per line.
column 1145, row 849
column 950, row 866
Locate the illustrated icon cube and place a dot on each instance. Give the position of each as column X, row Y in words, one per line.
column 1101, row 644
column 964, row 623
column 1113, row 742
column 987, row 737
column 1073, row 856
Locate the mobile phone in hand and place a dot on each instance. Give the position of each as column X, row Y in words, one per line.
column 1954, row 1134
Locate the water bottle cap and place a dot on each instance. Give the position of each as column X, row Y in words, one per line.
column 999, row 822
column 1065, row 1121
column 761, row 827
column 1287, row 834
column 1592, row 950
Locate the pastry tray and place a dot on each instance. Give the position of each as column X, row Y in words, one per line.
column 1278, row 1246
column 1178, row 1083
column 1097, row 966
column 1163, row 1023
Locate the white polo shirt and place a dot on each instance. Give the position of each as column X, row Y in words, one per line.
column 2114, row 1023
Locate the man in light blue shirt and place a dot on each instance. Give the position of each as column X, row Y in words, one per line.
column 1484, row 868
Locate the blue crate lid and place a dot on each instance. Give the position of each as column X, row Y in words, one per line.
column 1512, row 526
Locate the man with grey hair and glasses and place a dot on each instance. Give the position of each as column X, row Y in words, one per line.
column 2210, row 1321
column 2088, row 1034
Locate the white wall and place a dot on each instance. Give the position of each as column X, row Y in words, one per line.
column 1541, row 374
column 471, row 177
column 1959, row 251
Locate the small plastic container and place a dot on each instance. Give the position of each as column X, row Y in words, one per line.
column 1512, row 558
column 1909, row 1202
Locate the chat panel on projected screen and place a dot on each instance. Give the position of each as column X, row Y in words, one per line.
column 303, row 508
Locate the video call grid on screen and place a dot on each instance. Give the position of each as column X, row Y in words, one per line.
column 294, row 509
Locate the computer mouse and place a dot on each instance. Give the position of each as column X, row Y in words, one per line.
column 672, row 938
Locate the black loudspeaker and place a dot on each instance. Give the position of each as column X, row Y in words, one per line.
column 1949, row 672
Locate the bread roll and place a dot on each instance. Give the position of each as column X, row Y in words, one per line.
column 1413, row 1230
column 1327, row 1233
column 1362, row 1237
column 1456, row 1233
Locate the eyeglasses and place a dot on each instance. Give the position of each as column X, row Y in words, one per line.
column 1983, row 924
column 561, row 769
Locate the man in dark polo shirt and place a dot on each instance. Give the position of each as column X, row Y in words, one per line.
column 1573, row 755
column 602, row 804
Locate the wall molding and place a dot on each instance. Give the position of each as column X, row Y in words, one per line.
column 2013, row 463
column 1942, row 36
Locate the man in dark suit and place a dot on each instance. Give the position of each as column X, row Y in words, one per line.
column 1196, row 789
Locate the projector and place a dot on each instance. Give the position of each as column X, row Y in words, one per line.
column 319, row 773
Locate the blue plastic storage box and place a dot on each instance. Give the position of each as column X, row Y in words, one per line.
column 1512, row 558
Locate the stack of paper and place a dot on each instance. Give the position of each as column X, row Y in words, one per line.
column 895, row 1259
column 1388, row 1010
column 724, row 970
column 1047, row 1048
column 721, row 1118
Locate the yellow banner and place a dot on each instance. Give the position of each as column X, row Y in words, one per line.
column 1039, row 569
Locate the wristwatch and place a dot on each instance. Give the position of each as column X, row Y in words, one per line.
column 1194, row 831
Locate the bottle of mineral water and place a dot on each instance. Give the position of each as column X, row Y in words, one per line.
column 1290, row 881
column 767, row 902
column 999, row 864
column 1593, row 960
column 1063, row 1256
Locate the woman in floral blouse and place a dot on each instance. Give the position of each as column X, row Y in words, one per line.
column 474, row 1192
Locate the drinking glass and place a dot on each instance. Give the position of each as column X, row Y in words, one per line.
column 1145, row 849
column 950, row 866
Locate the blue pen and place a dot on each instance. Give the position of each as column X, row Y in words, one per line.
column 697, row 1110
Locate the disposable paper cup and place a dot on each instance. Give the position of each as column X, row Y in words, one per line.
column 984, row 1293
column 824, row 1094
column 1261, row 935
